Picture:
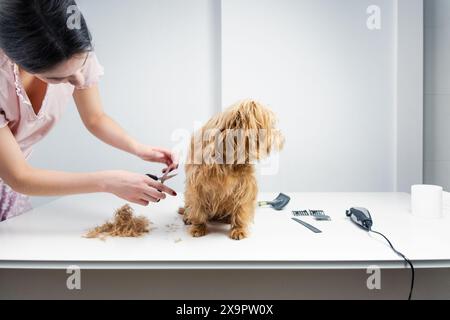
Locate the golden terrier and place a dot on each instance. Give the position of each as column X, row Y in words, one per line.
column 220, row 175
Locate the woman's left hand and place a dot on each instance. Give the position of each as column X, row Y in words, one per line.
column 159, row 155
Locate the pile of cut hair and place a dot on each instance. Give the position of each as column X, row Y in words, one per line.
column 125, row 225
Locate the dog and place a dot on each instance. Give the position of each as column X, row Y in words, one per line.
column 220, row 173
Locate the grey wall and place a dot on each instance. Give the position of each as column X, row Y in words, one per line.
column 437, row 92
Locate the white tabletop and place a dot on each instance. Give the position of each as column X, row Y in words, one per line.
column 52, row 237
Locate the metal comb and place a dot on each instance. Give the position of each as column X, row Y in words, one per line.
column 319, row 215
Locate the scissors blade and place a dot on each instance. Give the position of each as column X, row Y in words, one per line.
column 166, row 176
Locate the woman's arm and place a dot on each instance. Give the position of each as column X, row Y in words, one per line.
column 90, row 108
column 22, row 178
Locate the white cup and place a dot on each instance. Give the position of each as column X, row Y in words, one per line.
column 446, row 203
column 427, row 201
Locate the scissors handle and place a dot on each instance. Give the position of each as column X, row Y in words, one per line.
column 152, row 176
column 164, row 178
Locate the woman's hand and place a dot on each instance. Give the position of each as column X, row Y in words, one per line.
column 134, row 187
column 159, row 155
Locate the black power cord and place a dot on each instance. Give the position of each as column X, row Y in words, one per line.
column 403, row 256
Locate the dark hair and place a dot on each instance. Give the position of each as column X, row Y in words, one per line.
column 35, row 33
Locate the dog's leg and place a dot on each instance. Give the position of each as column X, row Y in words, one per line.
column 198, row 229
column 186, row 221
column 197, row 218
column 183, row 212
column 240, row 222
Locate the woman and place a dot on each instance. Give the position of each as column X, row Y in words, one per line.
column 44, row 61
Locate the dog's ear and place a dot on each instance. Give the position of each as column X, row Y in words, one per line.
column 244, row 133
column 269, row 137
column 269, row 140
column 250, row 114
column 257, row 124
column 275, row 141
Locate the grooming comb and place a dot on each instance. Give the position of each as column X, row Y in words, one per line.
column 301, row 213
column 320, row 215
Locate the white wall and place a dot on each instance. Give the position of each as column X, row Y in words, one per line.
column 437, row 92
column 330, row 79
column 161, row 74
column 409, row 93
column 173, row 63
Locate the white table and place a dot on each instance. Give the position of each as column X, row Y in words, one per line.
column 50, row 237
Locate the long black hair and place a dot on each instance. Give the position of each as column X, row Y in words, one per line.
column 37, row 35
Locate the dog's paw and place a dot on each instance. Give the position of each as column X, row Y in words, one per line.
column 186, row 221
column 198, row 231
column 238, row 234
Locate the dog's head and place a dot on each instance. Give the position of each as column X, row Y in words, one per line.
column 244, row 133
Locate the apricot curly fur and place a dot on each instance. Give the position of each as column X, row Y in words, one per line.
column 227, row 192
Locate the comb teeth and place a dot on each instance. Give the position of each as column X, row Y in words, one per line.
column 300, row 213
column 318, row 215
column 322, row 218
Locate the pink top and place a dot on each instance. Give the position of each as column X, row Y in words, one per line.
column 15, row 108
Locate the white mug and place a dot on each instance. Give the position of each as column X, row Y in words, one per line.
column 427, row 201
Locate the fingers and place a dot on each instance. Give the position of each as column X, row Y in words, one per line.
column 164, row 156
column 170, row 167
column 145, row 199
column 167, row 169
column 151, row 198
column 165, row 189
column 156, row 189
column 155, row 194
column 139, row 189
column 150, row 193
column 174, row 160
column 141, row 202
column 155, row 156
column 167, row 157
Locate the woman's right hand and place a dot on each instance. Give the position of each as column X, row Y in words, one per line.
column 133, row 187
